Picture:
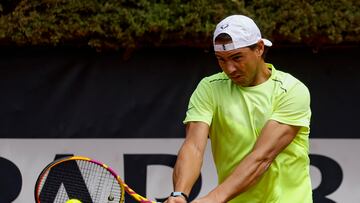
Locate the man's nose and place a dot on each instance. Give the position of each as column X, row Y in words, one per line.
column 230, row 67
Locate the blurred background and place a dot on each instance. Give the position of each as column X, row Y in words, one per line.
column 111, row 79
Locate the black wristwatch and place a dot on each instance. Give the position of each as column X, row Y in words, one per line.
column 176, row 194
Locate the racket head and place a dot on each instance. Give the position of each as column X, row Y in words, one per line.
column 95, row 182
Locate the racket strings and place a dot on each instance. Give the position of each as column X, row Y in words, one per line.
column 114, row 186
column 61, row 182
column 94, row 184
column 102, row 183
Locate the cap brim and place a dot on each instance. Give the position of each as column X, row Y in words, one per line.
column 267, row 42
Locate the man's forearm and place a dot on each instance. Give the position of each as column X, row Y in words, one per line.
column 273, row 139
column 187, row 168
column 244, row 176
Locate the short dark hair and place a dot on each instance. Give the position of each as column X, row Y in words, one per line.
column 225, row 38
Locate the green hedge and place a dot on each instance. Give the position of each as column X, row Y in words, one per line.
column 113, row 24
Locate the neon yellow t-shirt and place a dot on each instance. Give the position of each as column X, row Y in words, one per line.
column 236, row 116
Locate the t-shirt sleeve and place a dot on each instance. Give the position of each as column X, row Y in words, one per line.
column 201, row 104
column 292, row 107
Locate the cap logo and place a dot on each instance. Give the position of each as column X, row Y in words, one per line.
column 224, row 26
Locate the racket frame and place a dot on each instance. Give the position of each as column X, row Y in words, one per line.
column 75, row 158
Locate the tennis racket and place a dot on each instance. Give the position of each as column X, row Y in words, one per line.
column 82, row 179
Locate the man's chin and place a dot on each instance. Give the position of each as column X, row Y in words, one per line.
column 240, row 83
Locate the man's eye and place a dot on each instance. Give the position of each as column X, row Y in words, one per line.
column 236, row 58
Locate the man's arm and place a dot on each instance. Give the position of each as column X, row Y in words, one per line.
column 190, row 159
column 273, row 139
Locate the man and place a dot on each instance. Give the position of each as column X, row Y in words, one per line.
column 257, row 119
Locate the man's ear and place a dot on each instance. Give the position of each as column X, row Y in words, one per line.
column 260, row 48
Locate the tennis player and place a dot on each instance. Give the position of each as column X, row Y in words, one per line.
column 257, row 118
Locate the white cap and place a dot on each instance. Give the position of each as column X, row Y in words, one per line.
column 242, row 30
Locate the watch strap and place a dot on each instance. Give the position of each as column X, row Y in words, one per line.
column 176, row 194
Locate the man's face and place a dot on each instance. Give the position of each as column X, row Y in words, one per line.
column 241, row 65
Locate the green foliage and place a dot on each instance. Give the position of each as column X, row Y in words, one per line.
column 113, row 24
column 314, row 22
